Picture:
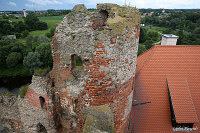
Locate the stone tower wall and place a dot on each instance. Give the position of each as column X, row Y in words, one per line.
column 10, row 120
column 107, row 41
column 31, row 112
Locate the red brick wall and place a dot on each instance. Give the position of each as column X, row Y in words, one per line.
column 33, row 98
column 100, row 88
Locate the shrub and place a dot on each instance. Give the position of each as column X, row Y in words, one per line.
column 13, row 59
column 23, row 90
column 40, row 39
column 41, row 71
column 32, row 61
column 45, row 54
column 51, row 33
column 25, row 33
column 41, row 25
column 141, row 49
column 29, row 41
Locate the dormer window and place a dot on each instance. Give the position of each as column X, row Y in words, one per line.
column 183, row 113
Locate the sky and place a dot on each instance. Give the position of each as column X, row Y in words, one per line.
column 17, row 5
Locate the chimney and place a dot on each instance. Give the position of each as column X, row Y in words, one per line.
column 169, row 39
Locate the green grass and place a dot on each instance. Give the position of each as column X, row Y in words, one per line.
column 41, row 72
column 23, row 90
column 157, row 29
column 12, row 72
column 51, row 18
column 51, row 21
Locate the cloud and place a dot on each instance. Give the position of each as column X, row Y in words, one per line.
column 163, row 4
column 44, row 2
column 94, row 2
column 29, row 5
column 12, row 3
column 143, row 3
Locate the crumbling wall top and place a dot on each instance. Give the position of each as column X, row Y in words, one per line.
column 79, row 8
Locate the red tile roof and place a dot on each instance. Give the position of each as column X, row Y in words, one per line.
column 181, row 100
column 153, row 67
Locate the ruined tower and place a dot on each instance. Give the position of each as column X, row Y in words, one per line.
column 95, row 95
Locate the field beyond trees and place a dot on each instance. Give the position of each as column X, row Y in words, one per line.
column 30, row 53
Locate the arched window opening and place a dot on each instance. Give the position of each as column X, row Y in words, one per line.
column 104, row 16
column 52, row 83
column 41, row 128
column 42, row 102
column 76, row 61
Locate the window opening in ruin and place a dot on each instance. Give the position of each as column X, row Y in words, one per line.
column 42, row 102
column 41, row 128
column 52, row 83
column 104, row 17
column 76, row 61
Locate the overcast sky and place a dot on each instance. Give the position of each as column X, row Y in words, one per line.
column 68, row 4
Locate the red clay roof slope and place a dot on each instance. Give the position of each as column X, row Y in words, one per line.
column 153, row 69
column 181, row 100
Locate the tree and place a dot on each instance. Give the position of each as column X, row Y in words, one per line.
column 31, row 21
column 141, row 49
column 51, row 33
column 45, row 54
column 20, row 27
column 40, row 39
column 32, row 61
column 152, row 35
column 41, row 25
column 143, row 33
column 5, row 28
column 4, row 51
column 148, row 44
column 29, row 41
column 13, row 59
column 25, row 33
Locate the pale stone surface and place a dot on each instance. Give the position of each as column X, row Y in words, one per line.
column 39, row 84
column 98, row 119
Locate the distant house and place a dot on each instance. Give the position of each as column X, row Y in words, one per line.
column 147, row 14
column 16, row 15
column 167, row 90
column 10, row 37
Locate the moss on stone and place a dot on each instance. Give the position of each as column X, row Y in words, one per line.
column 123, row 17
column 99, row 119
column 23, row 90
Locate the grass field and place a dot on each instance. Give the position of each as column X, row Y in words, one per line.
column 51, row 22
column 156, row 29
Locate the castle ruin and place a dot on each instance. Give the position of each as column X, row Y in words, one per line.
column 95, row 94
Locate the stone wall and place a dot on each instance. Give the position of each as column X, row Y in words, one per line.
column 26, row 114
column 9, row 114
column 32, row 112
column 107, row 41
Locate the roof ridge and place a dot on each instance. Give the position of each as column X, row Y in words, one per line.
column 147, row 59
column 176, row 46
column 191, row 97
